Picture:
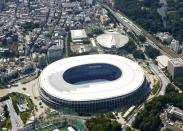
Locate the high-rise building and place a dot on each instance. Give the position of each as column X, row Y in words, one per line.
column 42, row 61
column 2, row 4
column 175, row 68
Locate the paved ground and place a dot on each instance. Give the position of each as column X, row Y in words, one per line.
column 30, row 89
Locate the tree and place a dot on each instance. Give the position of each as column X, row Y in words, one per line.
column 167, row 129
column 129, row 129
column 130, row 47
column 95, row 32
column 148, row 119
column 6, row 112
column 142, row 12
column 102, row 123
column 139, row 54
column 142, row 38
column 171, row 88
column 29, row 26
column 152, row 52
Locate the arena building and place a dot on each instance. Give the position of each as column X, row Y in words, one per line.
column 93, row 83
column 112, row 39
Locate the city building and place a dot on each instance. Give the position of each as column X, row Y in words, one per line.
column 165, row 37
column 2, row 4
column 78, row 36
column 93, row 83
column 175, row 68
column 162, row 61
column 55, row 53
column 91, row 2
column 175, row 113
column 175, row 46
column 42, row 61
column 22, row 105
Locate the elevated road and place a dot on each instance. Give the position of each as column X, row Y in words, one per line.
column 131, row 26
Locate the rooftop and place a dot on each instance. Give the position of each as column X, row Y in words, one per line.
column 162, row 61
column 52, row 81
column 178, row 62
column 78, row 34
column 177, row 111
column 112, row 39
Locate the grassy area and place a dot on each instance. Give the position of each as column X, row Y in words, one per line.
column 148, row 70
column 14, row 96
column 24, row 116
column 6, row 123
column 156, row 86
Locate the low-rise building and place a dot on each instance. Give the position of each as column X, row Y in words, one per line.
column 78, row 36
column 175, row 113
column 175, row 46
column 22, row 105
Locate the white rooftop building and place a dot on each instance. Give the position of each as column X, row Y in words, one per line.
column 78, row 36
column 112, row 39
column 162, row 61
column 93, row 83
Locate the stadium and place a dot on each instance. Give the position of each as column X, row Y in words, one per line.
column 111, row 40
column 93, row 83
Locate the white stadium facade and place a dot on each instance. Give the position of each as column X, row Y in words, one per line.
column 93, row 83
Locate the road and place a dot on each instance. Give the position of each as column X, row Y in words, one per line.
column 151, row 40
column 130, row 25
column 15, row 119
column 164, row 80
column 66, row 45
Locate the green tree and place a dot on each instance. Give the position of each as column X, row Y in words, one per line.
column 129, row 129
column 142, row 38
column 102, row 123
column 6, row 112
column 138, row 54
column 171, row 88
column 152, row 52
column 167, row 129
column 130, row 47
